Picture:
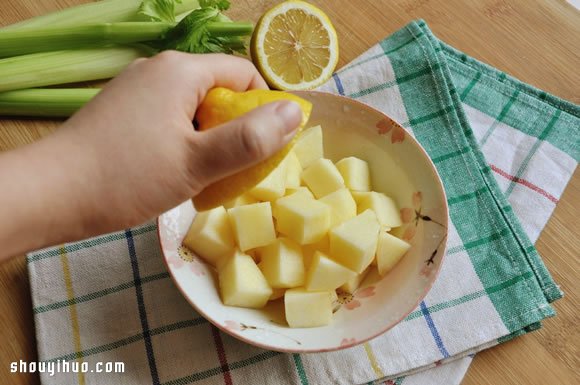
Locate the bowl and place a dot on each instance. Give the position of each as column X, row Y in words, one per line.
column 401, row 169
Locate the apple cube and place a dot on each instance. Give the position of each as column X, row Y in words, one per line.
column 282, row 264
column 322, row 177
column 390, row 250
column 253, row 225
column 353, row 243
column 309, row 146
column 210, row 235
column 300, row 190
column 333, row 296
column 276, row 294
column 244, row 199
column 355, row 172
column 301, row 218
column 352, row 284
column 293, row 170
column 342, row 206
column 308, row 250
column 385, row 208
column 305, row 309
column 242, row 283
column 326, row 274
column 273, row 186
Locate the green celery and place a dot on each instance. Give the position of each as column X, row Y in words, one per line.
column 105, row 11
column 45, row 102
column 15, row 43
column 22, row 42
column 60, row 67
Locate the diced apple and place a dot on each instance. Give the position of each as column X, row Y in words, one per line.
column 302, row 218
column 210, row 235
column 253, row 225
column 300, row 190
column 309, row 146
column 305, row 309
column 244, row 199
column 342, row 206
column 333, row 296
column 282, row 264
column 277, row 293
column 355, row 172
column 385, row 208
column 293, row 170
column 273, row 186
column 308, row 250
column 353, row 243
column 326, row 274
column 352, row 284
column 322, row 177
column 390, row 250
column 242, row 283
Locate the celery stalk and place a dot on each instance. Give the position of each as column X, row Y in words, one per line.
column 22, row 42
column 14, row 43
column 60, row 67
column 45, row 102
column 105, row 11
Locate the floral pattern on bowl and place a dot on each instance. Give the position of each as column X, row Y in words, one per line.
column 401, row 169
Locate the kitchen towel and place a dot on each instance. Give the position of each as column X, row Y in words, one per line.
column 505, row 152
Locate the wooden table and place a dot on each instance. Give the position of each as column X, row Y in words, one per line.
column 537, row 41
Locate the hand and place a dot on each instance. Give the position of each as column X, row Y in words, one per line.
column 132, row 152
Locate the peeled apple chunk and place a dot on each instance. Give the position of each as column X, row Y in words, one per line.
column 325, row 274
column 244, row 199
column 342, row 206
column 385, row 208
column 273, row 186
column 300, row 190
column 355, row 172
column 352, row 284
column 322, row 177
column 308, row 250
column 293, row 170
column 242, row 283
column 301, row 218
column 353, row 243
column 210, row 235
column 306, row 309
column 282, row 264
column 253, row 225
column 390, row 250
column 309, row 147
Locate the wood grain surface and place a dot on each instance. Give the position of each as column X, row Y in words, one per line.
column 537, row 41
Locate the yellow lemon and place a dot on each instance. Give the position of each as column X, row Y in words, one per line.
column 222, row 105
column 295, row 46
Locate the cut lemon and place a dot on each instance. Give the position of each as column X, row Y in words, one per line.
column 222, row 105
column 295, row 46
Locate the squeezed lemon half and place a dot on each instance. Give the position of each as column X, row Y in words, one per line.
column 222, row 105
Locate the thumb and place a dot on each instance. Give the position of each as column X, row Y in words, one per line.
column 245, row 141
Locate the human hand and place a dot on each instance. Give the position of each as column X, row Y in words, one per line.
column 132, row 152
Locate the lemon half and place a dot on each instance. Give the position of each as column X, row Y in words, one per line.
column 295, row 46
column 222, row 105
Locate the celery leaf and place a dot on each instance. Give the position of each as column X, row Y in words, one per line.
column 159, row 10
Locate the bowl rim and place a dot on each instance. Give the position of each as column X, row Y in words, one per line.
column 428, row 287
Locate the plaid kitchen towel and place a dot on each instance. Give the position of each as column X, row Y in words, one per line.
column 505, row 152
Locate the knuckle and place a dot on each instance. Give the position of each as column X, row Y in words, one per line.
column 169, row 57
column 251, row 142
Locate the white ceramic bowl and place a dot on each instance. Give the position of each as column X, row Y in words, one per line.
column 401, row 169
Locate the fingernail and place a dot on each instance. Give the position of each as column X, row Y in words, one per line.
column 291, row 115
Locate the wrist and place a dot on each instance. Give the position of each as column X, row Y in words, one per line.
column 44, row 198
